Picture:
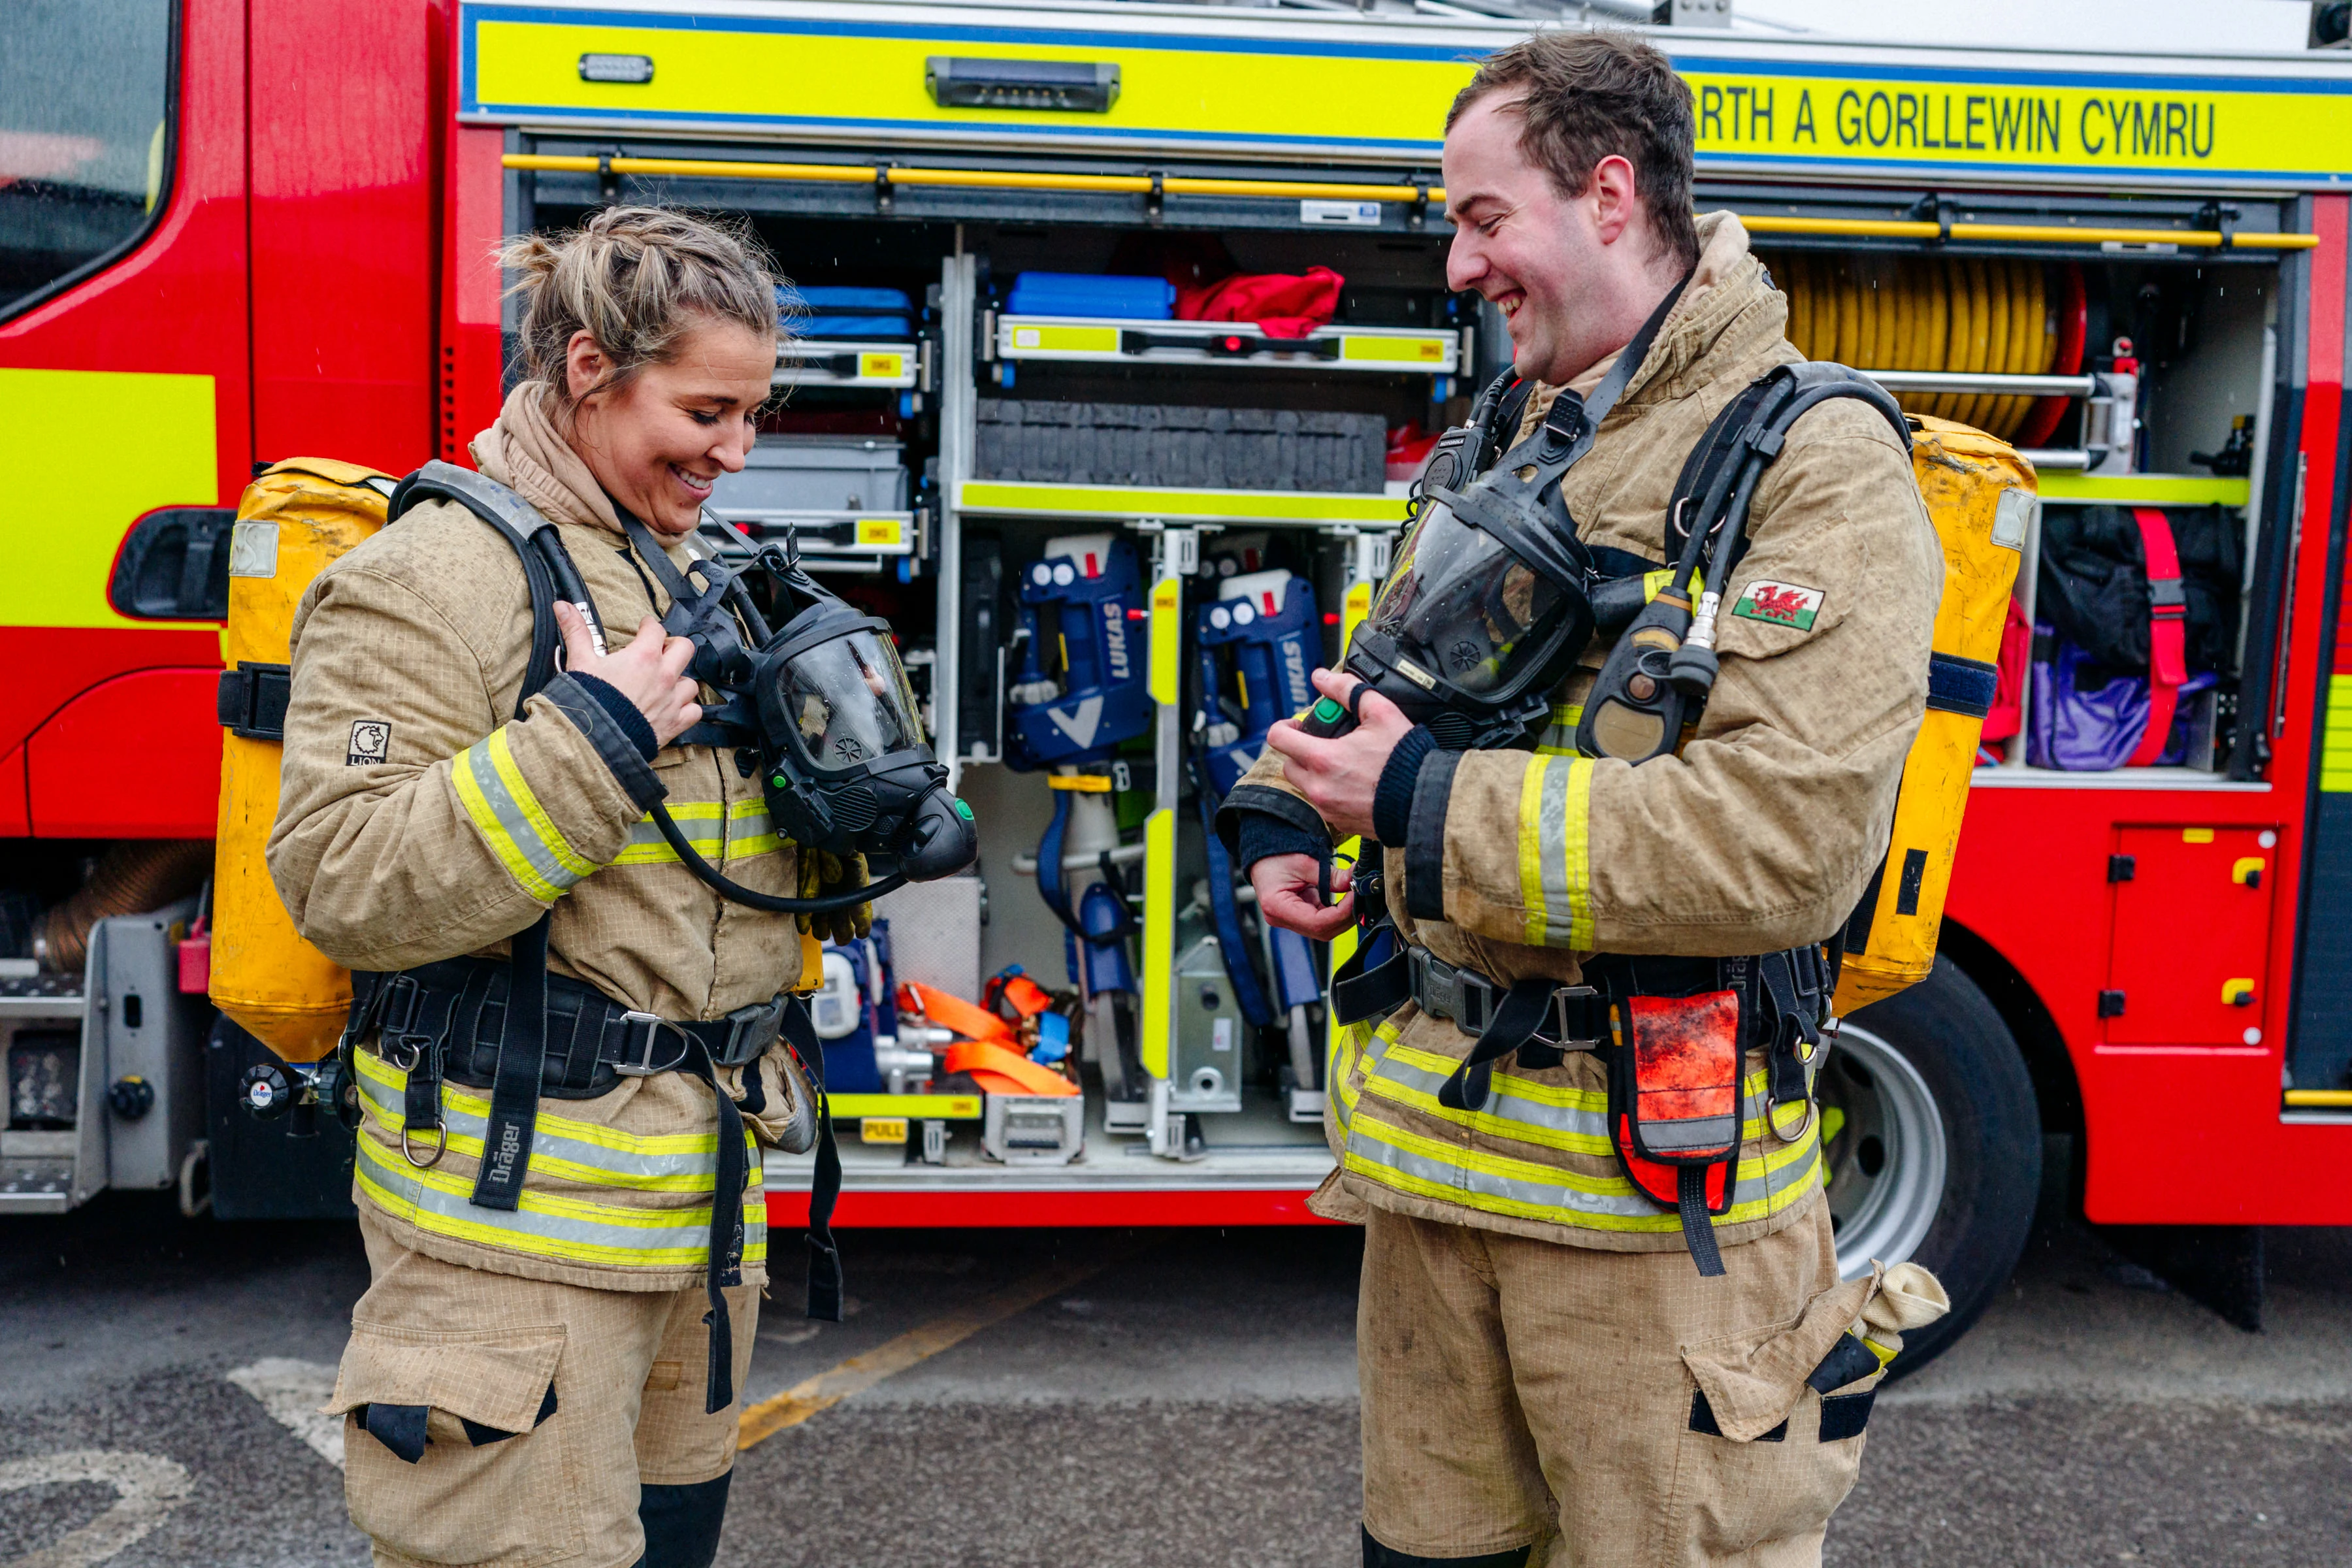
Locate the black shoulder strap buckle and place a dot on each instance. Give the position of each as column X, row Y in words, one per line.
column 252, row 700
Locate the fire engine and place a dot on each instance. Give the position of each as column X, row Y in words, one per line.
column 238, row 231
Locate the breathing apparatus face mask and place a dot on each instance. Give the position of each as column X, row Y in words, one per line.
column 1488, row 598
column 1486, row 603
column 845, row 764
column 824, row 705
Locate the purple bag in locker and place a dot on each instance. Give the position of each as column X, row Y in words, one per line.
column 2077, row 725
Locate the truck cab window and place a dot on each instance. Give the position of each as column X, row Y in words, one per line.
column 85, row 136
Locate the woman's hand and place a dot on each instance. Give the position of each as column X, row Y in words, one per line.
column 650, row 672
column 1290, row 895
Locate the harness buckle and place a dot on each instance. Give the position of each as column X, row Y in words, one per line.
column 440, row 1147
column 1565, row 1028
column 642, row 1064
column 402, row 1050
column 751, row 1029
column 1438, row 984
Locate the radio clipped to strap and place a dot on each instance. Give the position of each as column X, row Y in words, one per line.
column 1675, row 1107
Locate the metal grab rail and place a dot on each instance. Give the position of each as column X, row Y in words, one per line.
column 1306, row 190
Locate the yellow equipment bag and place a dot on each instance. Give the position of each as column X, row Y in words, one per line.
column 1980, row 495
column 295, row 517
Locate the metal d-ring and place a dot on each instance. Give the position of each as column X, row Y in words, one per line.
column 441, row 1147
column 1771, row 1109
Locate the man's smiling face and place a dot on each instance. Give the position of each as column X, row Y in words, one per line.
column 1517, row 241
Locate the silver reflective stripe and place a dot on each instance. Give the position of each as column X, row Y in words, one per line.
column 490, row 785
column 1534, row 1191
column 669, row 1170
column 548, row 1224
column 1560, row 861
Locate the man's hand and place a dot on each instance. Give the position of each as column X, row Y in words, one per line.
column 1289, row 894
column 650, row 672
column 1339, row 777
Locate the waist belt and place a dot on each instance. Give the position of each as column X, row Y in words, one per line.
column 524, row 1033
column 459, row 1007
column 1673, row 1032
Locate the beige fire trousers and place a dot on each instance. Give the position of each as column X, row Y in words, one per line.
column 1520, row 1392
column 600, row 1391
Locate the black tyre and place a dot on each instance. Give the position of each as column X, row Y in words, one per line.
column 1932, row 1146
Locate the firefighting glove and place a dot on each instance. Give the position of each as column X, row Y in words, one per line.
column 824, row 873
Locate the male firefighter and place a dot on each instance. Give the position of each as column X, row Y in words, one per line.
column 1562, row 1360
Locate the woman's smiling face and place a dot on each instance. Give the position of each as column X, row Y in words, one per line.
column 660, row 442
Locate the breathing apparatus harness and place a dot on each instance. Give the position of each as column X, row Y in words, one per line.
column 1673, row 1032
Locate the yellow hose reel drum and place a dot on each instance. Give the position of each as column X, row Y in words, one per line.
column 1964, row 314
column 293, row 519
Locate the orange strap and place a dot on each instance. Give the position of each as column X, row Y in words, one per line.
column 951, row 1012
column 984, row 1062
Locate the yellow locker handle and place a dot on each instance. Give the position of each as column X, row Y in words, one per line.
column 2238, row 993
column 2248, row 871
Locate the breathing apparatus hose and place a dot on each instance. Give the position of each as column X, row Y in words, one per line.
column 570, row 585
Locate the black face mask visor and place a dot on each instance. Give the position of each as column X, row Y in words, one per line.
column 1486, row 604
column 846, row 765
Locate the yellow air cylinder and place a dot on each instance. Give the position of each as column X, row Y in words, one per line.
column 294, row 519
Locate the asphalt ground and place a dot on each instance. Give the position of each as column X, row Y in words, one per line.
column 1023, row 1398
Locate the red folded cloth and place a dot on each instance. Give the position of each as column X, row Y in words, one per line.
column 1281, row 304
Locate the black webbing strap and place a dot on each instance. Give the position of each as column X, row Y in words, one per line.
column 1698, row 1229
column 1795, row 1020
column 824, row 1186
column 725, row 1266
column 1358, row 993
column 514, row 1092
column 1515, row 1023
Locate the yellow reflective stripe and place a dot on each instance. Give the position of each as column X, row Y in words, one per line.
column 1550, row 1116
column 750, row 831
column 1531, row 894
column 1558, row 738
column 516, row 826
column 502, row 844
column 442, row 1207
column 1498, row 1185
column 1555, row 877
column 718, row 831
column 1493, row 1123
column 510, row 774
column 555, row 1154
column 457, row 1098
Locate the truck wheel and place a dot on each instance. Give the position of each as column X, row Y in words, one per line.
column 1931, row 1146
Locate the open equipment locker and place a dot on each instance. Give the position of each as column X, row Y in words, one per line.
column 2180, row 193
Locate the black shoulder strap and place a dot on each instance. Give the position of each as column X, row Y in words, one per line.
column 1757, row 422
column 519, row 525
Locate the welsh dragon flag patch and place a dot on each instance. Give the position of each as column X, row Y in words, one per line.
column 1781, row 605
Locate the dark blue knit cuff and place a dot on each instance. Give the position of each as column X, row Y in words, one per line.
column 1392, row 797
column 1263, row 834
column 622, row 711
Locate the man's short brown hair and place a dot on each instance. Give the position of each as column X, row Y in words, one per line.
column 1585, row 96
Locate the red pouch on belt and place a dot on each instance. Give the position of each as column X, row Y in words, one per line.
column 1675, row 1107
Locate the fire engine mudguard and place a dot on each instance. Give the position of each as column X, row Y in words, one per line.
column 1932, row 1144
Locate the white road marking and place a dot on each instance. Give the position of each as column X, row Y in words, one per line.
column 292, row 1390
column 147, row 1486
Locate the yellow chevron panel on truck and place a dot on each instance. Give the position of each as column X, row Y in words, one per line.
column 1342, row 85
column 70, row 488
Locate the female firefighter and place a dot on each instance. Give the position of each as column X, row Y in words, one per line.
column 565, row 1043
